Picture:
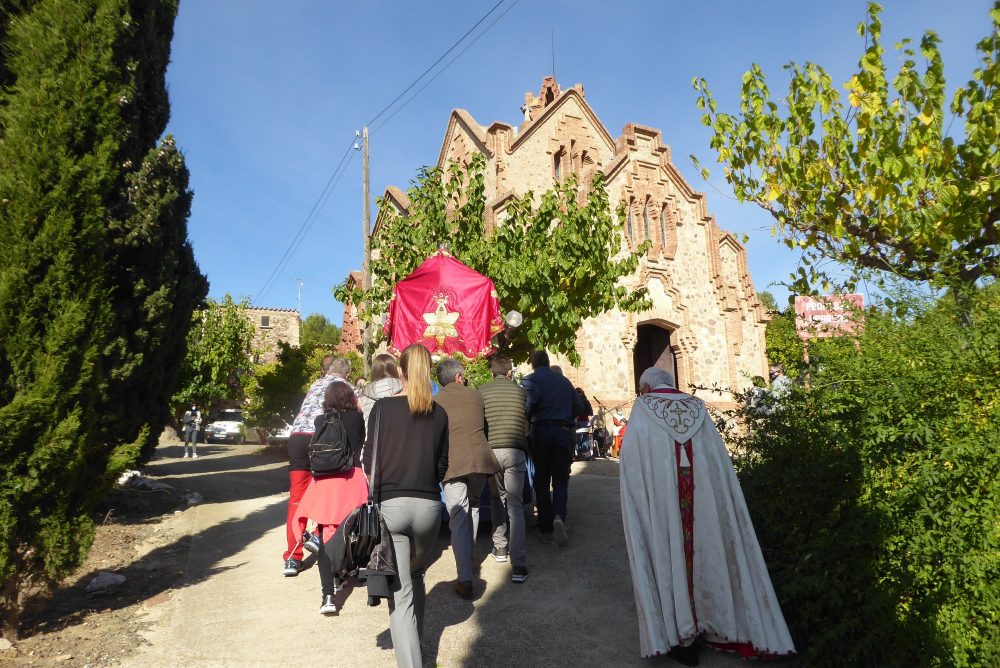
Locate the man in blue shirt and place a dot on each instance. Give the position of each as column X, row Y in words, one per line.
column 550, row 407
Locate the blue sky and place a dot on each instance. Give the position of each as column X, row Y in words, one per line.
column 267, row 96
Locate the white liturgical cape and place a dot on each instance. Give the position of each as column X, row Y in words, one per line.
column 734, row 604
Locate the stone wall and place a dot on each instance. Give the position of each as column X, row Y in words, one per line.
column 272, row 325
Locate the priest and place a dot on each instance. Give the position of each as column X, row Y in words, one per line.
column 697, row 568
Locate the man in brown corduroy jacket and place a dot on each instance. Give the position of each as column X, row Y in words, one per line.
column 470, row 461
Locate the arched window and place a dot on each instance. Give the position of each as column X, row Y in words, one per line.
column 557, row 165
column 663, row 226
column 645, row 218
column 631, row 235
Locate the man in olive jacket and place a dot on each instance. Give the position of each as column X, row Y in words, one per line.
column 506, row 428
column 470, row 461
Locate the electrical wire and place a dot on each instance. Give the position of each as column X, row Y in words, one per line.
column 434, row 64
column 338, row 172
column 310, row 218
column 447, row 65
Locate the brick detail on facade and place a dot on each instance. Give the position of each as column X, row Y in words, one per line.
column 351, row 333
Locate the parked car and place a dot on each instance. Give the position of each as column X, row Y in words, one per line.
column 227, row 427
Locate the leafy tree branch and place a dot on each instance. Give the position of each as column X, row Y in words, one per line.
column 875, row 181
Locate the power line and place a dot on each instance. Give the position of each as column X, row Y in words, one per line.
column 334, row 179
column 306, row 224
column 433, row 65
column 442, row 70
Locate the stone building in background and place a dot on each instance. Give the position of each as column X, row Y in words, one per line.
column 272, row 325
column 706, row 323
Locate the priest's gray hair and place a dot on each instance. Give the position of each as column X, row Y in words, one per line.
column 654, row 376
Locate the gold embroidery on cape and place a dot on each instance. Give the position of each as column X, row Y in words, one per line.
column 441, row 323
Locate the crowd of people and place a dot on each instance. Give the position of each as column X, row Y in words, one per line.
column 419, row 441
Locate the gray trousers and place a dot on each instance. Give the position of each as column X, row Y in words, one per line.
column 414, row 525
column 508, row 488
column 190, row 438
column 461, row 496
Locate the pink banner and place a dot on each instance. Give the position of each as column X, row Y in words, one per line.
column 447, row 307
column 834, row 315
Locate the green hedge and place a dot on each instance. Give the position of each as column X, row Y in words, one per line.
column 875, row 491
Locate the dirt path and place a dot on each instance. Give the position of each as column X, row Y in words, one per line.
column 232, row 607
column 204, row 585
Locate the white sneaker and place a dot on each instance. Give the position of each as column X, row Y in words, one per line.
column 328, row 607
column 185, row 456
column 194, row 456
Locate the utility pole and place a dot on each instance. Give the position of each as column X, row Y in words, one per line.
column 298, row 297
column 368, row 250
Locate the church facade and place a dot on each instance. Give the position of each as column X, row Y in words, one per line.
column 706, row 322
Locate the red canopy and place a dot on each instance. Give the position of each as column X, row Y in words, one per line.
column 446, row 306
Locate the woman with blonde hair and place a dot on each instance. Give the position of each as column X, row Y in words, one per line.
column 409, row 439
column 383, row 382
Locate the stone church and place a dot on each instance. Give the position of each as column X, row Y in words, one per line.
column 706, row 323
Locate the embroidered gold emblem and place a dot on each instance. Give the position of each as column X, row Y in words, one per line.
column 441, row 323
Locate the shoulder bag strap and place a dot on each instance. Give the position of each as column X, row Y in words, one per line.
column 371, row 475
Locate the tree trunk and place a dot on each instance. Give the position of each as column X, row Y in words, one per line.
column 10, row 614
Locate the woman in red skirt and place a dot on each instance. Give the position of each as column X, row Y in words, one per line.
column 330, row 498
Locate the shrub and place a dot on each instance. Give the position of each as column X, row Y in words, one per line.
column 875, row 490
column 477, row 369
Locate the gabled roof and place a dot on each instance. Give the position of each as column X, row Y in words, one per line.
column 547, row 112
column 480, row 135
column 464, row 120
column 399, row 198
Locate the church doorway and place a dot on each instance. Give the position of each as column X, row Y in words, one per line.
column 652, row 348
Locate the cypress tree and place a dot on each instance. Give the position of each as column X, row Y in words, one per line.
column 8, row 10
column 97, row 279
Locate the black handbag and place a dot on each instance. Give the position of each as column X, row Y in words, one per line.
column 367, row 531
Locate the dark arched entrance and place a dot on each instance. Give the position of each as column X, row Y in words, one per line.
column 652, row 348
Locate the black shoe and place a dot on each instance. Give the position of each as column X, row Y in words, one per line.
column 292, row 567
column 500, row 555
column 519, row 575
column 685, row 655
column 464, row 590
